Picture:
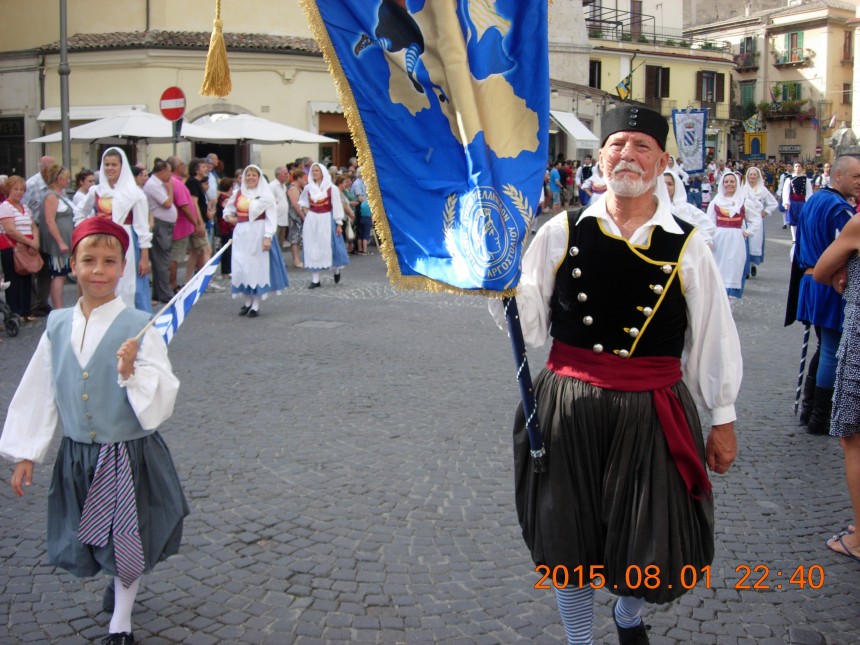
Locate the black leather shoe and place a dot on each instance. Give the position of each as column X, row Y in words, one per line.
column 631, row 635
column 108, row 598
column 314, row 285
column 336, row 278
column 244, row 310
column 253, row 313
column 121, row 638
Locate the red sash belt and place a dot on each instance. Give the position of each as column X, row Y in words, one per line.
column 656, row 374
column 730, row 222
column 128, row 218
column 796, row 197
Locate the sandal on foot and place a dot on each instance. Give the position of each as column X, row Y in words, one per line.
column 831, row 542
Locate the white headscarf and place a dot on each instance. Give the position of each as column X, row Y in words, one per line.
column 734, row 203
column 260, row 198
column 318, row 191
column 125, row 192
column 680, row 196
column 759, row 187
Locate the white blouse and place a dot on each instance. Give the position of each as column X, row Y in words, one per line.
column 33, row 418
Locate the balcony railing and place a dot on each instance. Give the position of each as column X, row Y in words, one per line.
column 746, row 62
column 715, row 110
column 797, row 57
column 663, row 106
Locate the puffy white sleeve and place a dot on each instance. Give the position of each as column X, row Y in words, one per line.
column 712, row 361
column 537, row 281
column 32, row 418
column 752, row 215
column 336, row 205
column 140, row 221
column 305, row 198
column 153, row 387
column 85, row 208
column 230, row 205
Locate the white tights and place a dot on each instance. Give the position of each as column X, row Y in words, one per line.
column 123, row 605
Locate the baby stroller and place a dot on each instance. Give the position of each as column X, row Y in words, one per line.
column 10, row 321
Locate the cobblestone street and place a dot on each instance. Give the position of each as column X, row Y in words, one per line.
column 347, row 461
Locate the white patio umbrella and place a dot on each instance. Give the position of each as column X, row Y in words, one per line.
column 245, row 128
column 119, row 128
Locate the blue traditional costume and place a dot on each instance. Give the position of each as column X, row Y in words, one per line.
column 820, row 305
column 256, row 273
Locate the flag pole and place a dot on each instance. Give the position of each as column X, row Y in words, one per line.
column 181, row 292
column 803, row 349
column 524, row 380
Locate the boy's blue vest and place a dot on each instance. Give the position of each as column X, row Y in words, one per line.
column 93, row 408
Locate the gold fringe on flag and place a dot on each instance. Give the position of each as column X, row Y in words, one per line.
column 216, row 76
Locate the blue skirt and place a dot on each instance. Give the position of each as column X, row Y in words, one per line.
column 143, row 283
column 339, row 256
column 161, row 505
column 278, row 280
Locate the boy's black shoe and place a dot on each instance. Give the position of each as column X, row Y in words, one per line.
column 121, row 638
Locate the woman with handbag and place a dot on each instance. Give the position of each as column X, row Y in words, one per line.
column 55, row 229
column 347, row 196
column 19, row 247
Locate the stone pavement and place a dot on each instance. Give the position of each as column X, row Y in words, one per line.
column 347, row 460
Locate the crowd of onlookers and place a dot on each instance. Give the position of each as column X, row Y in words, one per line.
column 174, row 215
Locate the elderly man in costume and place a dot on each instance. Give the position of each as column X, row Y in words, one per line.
column 642, row 336
column 820, row 305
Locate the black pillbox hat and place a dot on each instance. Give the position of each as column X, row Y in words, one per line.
column 637, row 119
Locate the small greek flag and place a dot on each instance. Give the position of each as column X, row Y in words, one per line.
column 167, row 320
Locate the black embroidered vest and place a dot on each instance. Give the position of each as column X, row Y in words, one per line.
column 617, row 297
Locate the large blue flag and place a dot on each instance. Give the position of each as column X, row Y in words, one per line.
column 448, row 104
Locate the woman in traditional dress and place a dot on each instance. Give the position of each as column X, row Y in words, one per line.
column 257, row 265
column 323, row 226
column 56, row 230
column 736, row 219
column 594, row 186
column 682, row 209
column 755, row 190
column 118, row 197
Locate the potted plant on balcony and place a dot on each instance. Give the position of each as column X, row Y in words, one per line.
column 764, row 107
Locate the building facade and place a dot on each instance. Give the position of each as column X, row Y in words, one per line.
column 794, row 69
column 125, row 53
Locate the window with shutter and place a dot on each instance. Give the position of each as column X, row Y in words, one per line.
column 664, row 82
column 701, row 93
column 720, row 88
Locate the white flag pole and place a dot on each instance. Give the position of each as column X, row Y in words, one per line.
column 181, row 292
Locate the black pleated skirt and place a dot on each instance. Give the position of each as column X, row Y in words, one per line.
column 613, row 496
column 161, row 505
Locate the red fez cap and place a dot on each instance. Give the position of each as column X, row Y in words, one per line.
column 99, row 226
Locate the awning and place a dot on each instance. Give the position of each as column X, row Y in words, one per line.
column 575, row 128
column 86, row 112
column 326, row 107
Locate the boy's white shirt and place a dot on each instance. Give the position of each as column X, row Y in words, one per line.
column 32, row 418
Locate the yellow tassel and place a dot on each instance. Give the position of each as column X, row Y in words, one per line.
column 216, row 76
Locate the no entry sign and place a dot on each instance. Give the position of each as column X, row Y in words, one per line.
column 172, row 104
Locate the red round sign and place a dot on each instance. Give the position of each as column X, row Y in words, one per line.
column 172, row 104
